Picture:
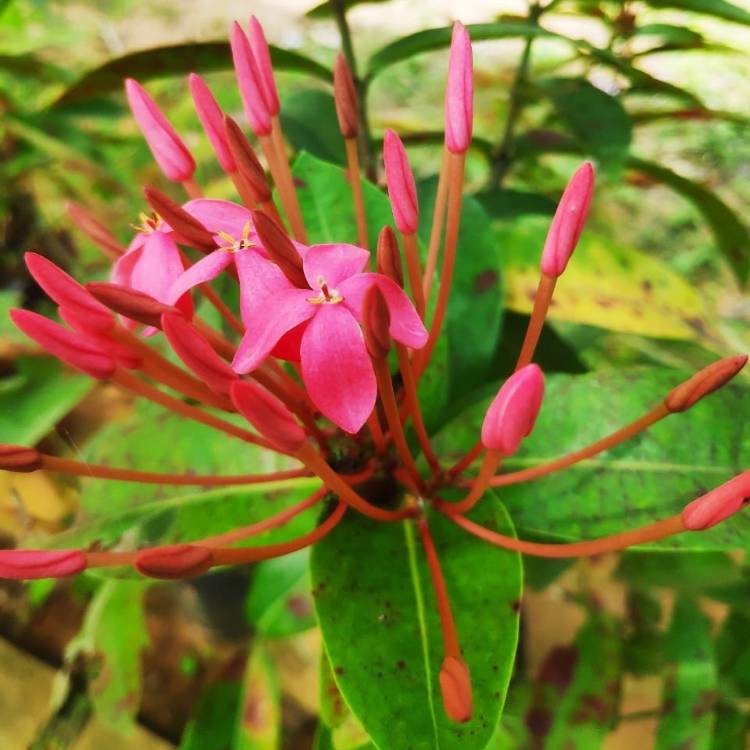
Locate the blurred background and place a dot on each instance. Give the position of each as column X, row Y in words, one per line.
column 656, row 93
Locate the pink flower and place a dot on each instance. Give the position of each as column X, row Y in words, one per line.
column 336, row 368
column 250, row 83
column 212, row 119
column 514, row 410
column 402, row 190
column 459, row 94
column 718, row 504
column 170, row 152
column 262, row 56
column 568, row 221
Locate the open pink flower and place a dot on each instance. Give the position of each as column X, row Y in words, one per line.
column 336, row 368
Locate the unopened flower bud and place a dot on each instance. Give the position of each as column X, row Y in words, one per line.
column 66, row 345
column 376, row 321
column 170, row 152
column 174, row 561
column 718, row 504
column 246, row 161
column 345, row 96
column 705, row 381
column 268, row 415
column 212, row 119
column 19, row 458
column 402, row 189
column 455, row 685
column 514, row 410
column 28, row 564
column 188, row 229
column 130, row 303
column 94, row 230
column 280, row 248
column 389, row 257
column 568, row 221
column 68, row 293
column 459, row 93
column 249, row 80
column 262, row 55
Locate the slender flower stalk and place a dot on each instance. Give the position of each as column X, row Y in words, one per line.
column 436, row 229
column 95, row 230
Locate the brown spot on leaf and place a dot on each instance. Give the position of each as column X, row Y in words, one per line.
column 485, row 280
column 558, row 667
column 538, row 721
column 299, row 606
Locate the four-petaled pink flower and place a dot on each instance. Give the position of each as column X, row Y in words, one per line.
column 323, row 319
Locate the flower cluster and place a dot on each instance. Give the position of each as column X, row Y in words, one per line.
column 308, row 365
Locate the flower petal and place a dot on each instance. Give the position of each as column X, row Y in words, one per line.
column 204, row 270
column 259, row 279
column 334, row 262
column 220, row 216
column 336, row 368
column 406, row 326
column 282, row 312
column 158, row 267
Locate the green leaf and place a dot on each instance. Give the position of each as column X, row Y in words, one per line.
column 733, row 654
column 716, row 8
column 259, row 718
column 111, row 639
column 690, row 681
column 731, row 728
column 377, row 612
column 212, row 727
column 668, row 33
column 279, row 602
column 324, row 9
column 319, row 135
column 172, row 60
column 508, row 204
column 38, row 396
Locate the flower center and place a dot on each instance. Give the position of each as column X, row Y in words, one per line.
column 149, row 223
column 234, row 245
column 326, row 296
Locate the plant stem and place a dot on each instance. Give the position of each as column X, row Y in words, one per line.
column 542, row 300
column 352, row 157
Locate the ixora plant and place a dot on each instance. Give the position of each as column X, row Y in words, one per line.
column 326, row 360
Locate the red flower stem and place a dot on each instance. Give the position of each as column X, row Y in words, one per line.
column 222, row 308
column 627, row 432
column 412, row 404
column 246, row 195
column 373, row 423
column 542, row 301
column 479, row 486
column 223, row 347
column 191, row 188
column 133, row 384
column 352, row 159
column 464, row 463
column 315, row 462
column 651, row 533
column 295, row 218
column 97, row 471
column 393, row 418
column 436, row 232
column 414, row 271
column 447, row 623
column 455, row 190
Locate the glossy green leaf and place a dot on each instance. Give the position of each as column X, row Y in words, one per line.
column 377, row 611
column 324, row 9
column 717, row 8
column 213, row 723
column 172, row 60
column 668, row 33
column 259, row 718
column 690, row 681
column 507, row 204
column 318, row 135
column 36, row 397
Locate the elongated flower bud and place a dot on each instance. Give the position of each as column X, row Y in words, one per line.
column 28, row 564
column 248, row 166
column 345, row 96
column 402, row 189
column 718, row 505
column 66, row 345
column 459, row 94
column 198, row 354
column 262, row 55
column 188, row 229
column 94, row 230
column 19, row 458
column 212, row 119
column 705, row 381
column 68, row 293
column 268, row 415
column 170, row 152
column 455, row 686
column 376, row 321
column 174, row 561
column 389, row 257
column 249, row 81
column 568, row 221
column 513, row 412
column 280, row 248
column 130, row 303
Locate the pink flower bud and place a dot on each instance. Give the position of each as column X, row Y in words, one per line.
column 249, row 80
column 268, row 415
column 19, row 458
column 262, row 56
column 130, row 303
column 459, row 94
column 26, row 564
column 170, row 152
column 568, row 221
column 174, row 561
column 66, row 345
column 718, row 504
column 401, row 188
column 94, row 230
column 212, row 119
column 68, row 293
column 455, row 686
column 512, row 414
column 198, row 354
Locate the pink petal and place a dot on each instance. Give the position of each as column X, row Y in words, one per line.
column 205, row 269
column 158, row 266
column 406, row 326
column 290, row 344
column 221, row 216
column 336, row 368
column 283, row 311
column 259, row 279
column 333, row 262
